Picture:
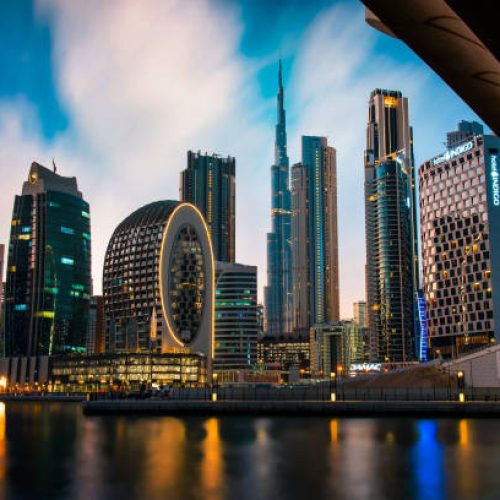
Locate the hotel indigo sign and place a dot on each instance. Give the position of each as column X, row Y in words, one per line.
column 495, row 184
column 453, row 152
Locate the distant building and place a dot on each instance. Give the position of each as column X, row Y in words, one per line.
column 236, row 321
column 97, row 326
column 314, row 236
column 327, row 354
column 278, row 292
column 48, row 275
column 283, row 353
column 104, row 372
column 460, row 230
column 209, row 183
column 465, row 132
column 359, row 313
column 391, row 230
column 158, row 282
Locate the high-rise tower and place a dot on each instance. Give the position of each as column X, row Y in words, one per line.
column 391, row 234
column 314, row 230
column 48, row 274
column 208, row 182
column 278, row 293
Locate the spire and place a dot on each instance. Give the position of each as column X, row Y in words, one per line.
column 280, row 154
column 280, row 77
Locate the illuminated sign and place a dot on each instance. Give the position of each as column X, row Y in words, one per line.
column 453, row 152
column 365, row 367
column 495, row 185
column 390, row 102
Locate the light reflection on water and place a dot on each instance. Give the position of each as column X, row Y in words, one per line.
column 52, row 451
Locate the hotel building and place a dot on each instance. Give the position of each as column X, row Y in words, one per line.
column 460, row 230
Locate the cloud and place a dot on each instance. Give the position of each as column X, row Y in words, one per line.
column 335, row 71
column 143, row 82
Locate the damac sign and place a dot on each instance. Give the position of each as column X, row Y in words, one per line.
column 453, row 152
column 495, row 184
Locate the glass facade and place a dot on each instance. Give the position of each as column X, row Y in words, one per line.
column 278, row 292
column 131, row 279
column 49, row 278
column 391, row 230
column 209, row 183
column 315, row 242
column 106, row 372
column 236, row 321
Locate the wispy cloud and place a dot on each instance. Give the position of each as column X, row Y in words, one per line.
column 143, row 82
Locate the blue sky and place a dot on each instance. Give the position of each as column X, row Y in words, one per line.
column 118, row 91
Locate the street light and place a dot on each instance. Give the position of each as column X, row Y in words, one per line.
column 460, row 386
column 333, row 393
column 214, row 387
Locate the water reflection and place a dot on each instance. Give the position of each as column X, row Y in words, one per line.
column 428, row 462
column 66, row 455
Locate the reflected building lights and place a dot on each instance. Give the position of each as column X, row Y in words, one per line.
column 212, row 465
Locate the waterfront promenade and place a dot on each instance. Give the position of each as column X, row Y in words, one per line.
column 297, row 408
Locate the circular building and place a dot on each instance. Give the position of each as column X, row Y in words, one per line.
column 158, row 281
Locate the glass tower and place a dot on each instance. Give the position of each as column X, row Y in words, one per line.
column 391, row 233
column 315, row 242
column 236, row 321
column 48, row 275
column 278, row 292
column 209, row 183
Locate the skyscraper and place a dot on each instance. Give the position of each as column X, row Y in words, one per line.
column 460, row 230
column 315, row 245
column 48, row 275
column 465, row 131
column 278, row 292
column 359, row 313
column 158, row 281
column 209, row 183
column 236, row 321
column 391, row 233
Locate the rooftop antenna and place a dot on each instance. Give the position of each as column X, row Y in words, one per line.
column 54, row 165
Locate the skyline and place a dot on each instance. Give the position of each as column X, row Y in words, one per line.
column 98, row 120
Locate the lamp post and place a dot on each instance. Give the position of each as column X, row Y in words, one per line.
column 460, row 386
column 333, row 387
column 214, row 387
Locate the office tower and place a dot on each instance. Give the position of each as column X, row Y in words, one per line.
column 465, row 131
column 48, row 274
column 236, row 321
column 96, row 326
column 359, row 313
column 278, row 292
column 391, row 232
column 209, row 183
column 315, row 246
column 460, row 230
column 158, row 281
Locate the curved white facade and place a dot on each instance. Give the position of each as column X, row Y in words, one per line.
column 187, row 282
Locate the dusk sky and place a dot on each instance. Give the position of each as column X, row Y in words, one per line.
column 118, row 91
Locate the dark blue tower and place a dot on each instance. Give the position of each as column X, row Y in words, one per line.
column 278, row 293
